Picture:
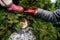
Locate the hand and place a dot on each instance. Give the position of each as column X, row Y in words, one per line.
column 15, row 8
column 30, row 11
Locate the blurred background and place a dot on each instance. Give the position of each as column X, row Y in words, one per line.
column 9, row 21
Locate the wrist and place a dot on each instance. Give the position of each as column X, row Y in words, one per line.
column 35, row 12
column 39, row 10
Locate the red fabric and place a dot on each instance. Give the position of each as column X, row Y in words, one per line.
column 15, row 8
column 30, row 11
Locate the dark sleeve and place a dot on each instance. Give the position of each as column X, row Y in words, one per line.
column 48, row 15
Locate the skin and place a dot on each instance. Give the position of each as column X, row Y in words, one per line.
column 24, row 24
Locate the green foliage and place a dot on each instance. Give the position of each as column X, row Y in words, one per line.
column 9, row 21
column 58, row 4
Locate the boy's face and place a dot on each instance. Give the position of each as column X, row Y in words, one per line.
column 24, row 23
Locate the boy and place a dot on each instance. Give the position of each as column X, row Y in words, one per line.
column 24, row 33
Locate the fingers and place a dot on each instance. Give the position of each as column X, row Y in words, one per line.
column 15, row 8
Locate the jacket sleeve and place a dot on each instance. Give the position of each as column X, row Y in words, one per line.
column 48, row 15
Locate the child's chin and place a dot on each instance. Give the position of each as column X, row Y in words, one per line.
column 24, row 27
